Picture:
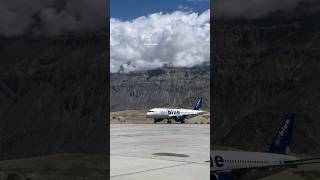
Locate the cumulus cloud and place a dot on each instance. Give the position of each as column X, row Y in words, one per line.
column 50, row 17
column 179, row 39
column 253, row 9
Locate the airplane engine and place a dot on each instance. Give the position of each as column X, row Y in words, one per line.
column 179, row 119
column 221, row 176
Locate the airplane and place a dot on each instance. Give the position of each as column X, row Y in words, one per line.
column 179, row 115
column 244, row 165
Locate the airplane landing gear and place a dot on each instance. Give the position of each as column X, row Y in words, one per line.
column 182, row 122
column 157, row 120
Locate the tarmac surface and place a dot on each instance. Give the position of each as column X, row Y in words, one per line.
column 159, row 151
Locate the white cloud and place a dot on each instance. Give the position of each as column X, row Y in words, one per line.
column 182, row 38
column 185, row 8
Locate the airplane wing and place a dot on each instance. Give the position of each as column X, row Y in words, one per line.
column 303, row 160
column 175, row 115
column 182, row 115
column 179, row 117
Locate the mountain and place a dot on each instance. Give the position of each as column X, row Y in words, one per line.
column 163, row 87
column 53, row 95
column 260, row 72
column 72, row 166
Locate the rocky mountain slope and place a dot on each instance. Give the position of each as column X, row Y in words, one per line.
column 73, row 166
column 260, row 72
column 53, row 95
column 164, row 87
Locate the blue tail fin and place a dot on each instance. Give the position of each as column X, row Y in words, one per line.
column 282, row 140
column 198, row 105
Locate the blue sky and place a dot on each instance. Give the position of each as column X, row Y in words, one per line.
column 131, row 9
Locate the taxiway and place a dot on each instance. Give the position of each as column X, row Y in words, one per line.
column 158, row 152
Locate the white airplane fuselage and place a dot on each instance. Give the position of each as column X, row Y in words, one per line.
column 229, row 160
column 170, row 113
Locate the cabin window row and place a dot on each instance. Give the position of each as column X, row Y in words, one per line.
column 247, row 161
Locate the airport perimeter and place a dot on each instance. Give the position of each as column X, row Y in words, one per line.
column 159, row 152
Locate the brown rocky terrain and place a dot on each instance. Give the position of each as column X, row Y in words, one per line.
column 260, row 72
column 164, row 87
column 53, row 95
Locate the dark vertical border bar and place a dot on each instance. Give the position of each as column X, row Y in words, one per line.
column 211, row 69
column 107, row 60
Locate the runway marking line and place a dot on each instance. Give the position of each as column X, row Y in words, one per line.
column 151, row 169
column 161, row 159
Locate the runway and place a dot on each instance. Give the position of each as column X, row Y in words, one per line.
column 159, row 152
